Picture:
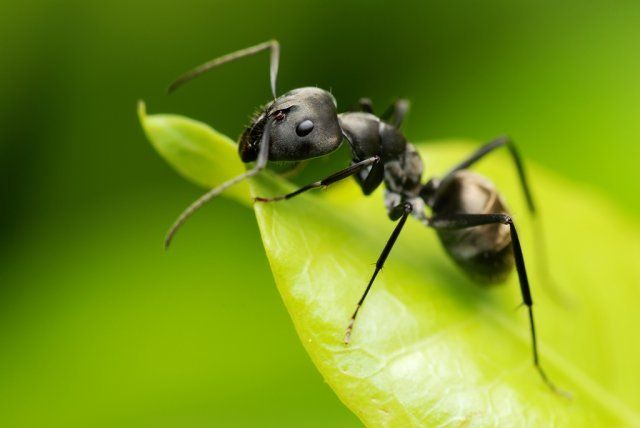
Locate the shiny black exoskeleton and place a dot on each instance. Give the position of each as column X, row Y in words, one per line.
column 468, row 214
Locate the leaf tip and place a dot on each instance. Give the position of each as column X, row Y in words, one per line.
column 142, row 110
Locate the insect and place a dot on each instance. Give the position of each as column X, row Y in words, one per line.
column 467, row 212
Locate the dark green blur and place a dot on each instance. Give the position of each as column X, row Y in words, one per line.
column 99, row 327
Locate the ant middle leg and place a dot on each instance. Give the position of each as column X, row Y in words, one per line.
column 464, row 221
column 401, row 212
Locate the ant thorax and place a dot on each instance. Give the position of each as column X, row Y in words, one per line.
column 400, row 163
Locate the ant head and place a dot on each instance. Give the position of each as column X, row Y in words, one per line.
column 304, row 125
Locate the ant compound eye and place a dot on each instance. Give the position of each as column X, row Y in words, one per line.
column 279, row 116
column 304, row 128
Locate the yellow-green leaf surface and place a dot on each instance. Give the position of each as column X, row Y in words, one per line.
column 430, row 347
column 196, row 151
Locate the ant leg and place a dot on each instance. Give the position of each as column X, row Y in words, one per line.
column 261, row 163
column 366, row 105
column 483, row 151
column 273, row 45
column 340, row 175
column 402, row 212
column 542, row 264
column 394, row 114
column 372, row 181
column 463, row 221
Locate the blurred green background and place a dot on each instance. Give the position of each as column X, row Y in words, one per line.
column 99, row 326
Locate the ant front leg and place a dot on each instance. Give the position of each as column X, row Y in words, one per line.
column 340, row 175
column 464, row 221
column 402, row 212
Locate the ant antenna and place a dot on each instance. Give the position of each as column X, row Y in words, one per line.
column 263, row 156
column 273, row 45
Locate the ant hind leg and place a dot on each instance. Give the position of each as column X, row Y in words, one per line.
column 550, row 286
column 463, row 221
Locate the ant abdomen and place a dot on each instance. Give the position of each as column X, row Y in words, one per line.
column 484, row 252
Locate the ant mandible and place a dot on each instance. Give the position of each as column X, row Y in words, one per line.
column 468, row 213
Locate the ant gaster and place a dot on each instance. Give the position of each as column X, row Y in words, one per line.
column 468, row 213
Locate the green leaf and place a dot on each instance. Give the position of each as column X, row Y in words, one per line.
column 196, row 151
column 430, row 347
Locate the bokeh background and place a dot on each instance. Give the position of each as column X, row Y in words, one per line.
column 99, row 327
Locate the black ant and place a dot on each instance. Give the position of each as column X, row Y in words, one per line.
column 469, row 215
